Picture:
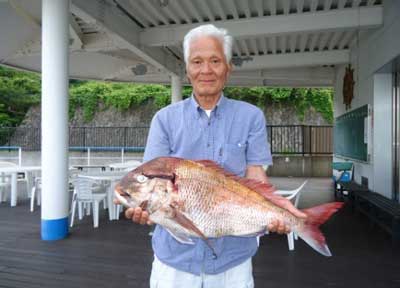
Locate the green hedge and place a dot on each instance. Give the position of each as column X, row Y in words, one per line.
column 20, row 90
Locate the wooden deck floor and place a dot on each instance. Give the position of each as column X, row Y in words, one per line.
column 118, row 253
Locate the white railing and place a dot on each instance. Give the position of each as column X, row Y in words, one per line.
column 89, row 158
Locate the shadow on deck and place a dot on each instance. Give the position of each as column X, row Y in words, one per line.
column 118, row 253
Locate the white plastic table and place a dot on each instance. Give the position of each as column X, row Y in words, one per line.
column 122, row 166
column 13, row 171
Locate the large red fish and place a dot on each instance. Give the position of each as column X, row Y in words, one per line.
column 200, row 199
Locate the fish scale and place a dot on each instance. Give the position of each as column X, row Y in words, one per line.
column 199, row 187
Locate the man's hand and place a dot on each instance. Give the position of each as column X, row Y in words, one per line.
column 257, row 172
column 136, row 215
column 278, row 226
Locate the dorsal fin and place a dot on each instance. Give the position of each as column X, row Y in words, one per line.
column 264, row 189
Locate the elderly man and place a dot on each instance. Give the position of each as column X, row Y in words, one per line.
column 208, row 126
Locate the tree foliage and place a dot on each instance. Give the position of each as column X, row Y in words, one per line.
column 20, row 90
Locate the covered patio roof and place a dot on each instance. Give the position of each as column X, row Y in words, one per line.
column 277, row 43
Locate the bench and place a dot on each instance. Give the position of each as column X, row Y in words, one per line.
column 351, row 187
column 380, row 210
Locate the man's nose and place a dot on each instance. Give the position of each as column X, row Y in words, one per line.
column 206, row 68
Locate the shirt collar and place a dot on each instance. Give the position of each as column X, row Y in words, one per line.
column 196, row 109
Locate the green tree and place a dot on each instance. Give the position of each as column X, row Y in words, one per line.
column 18, row 92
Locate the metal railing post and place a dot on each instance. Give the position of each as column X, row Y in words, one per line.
column 20, row 156
column 88, row 156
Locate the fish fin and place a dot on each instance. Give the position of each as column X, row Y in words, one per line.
column 257, row 234
column 260, row 187
column 264, row 189
column 310, row 232
column 180, row 237
column 185, row 222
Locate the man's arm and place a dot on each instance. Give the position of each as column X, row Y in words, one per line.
column 257, row 172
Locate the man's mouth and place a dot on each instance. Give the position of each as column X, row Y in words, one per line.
column 207, row 81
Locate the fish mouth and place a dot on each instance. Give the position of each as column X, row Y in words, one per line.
column 124, row 197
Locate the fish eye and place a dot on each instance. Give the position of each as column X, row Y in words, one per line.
column 141, row 178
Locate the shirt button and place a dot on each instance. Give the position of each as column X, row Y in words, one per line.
column 208, row 145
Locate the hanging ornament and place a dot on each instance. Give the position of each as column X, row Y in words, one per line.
column 348, row 87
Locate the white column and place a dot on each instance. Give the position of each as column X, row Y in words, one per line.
column 55, row 45
column 176, row 89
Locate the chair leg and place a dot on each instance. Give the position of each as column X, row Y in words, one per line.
column 73, row 213
column 28, row 187
column 96, row 214
column 117, row 209
column 39, row 197
column 290, row 238
column 87, row 207
column 80, row 210
column 33, row 192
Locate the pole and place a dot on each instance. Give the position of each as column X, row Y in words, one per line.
column 55, row 45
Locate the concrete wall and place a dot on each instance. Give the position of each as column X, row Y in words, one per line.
column 375, row 50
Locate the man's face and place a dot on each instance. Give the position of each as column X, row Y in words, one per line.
column 207, row 68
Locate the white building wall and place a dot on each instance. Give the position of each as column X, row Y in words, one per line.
column 382, row 156
column 376, row 50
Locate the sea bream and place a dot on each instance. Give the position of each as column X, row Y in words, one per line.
column 200, row 199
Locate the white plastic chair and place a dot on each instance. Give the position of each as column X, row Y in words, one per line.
column 294, row 196
column 21, row 177
column 36, row 193
column 5, row 181
column 83, row 195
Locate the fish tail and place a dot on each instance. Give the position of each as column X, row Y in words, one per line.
column 310, row 232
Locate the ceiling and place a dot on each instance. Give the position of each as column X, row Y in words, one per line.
column 277, row 42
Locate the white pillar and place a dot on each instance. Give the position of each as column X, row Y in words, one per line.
column 55, row 45
column 176, row 89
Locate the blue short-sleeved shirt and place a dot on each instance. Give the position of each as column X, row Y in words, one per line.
column 234, row 136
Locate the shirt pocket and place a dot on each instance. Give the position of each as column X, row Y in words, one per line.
column 235, row 157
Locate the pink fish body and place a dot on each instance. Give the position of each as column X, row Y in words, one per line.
column 199, row 199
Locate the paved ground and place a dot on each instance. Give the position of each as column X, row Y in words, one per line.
column 118, row 253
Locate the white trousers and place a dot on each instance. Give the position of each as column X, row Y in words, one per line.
column 164, row 276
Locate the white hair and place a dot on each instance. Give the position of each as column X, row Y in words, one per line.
column 212, row 31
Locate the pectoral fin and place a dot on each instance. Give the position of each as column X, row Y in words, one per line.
column 185, row 222
column 180, row 237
